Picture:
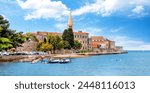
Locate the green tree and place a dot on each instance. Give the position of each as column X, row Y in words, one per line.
column 71, row 37
column 4, row 25
column 9, row 38
column 46, row 47
column 1, row 28
column 66, row 45
column 68, row 36
column 17, row 39
column 50, row 43
column 5, row 43
column 77, row 45
column 38, row 46
column 42, row 46
column 60, row 45
column 65, row 35
column 55, row 40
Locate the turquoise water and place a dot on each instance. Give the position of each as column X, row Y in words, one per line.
column 131, row 64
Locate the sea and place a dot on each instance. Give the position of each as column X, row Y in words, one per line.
column 134, row 63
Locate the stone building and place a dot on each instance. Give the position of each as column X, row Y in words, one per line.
column 112, row 44
column 42, row 35
column 82, row 37
column 100, row 44
column 119, row 48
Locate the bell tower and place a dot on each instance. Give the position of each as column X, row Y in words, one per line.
column 70, row 21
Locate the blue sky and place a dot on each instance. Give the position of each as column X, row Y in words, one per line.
column 126, row 22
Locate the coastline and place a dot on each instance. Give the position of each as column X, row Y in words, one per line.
column 30, row 58
column 101, row 65
column 104, row 53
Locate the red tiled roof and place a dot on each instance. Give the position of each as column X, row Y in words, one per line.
column 97, row 38
column 95, row 44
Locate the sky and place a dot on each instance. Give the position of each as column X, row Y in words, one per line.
column 125, row 21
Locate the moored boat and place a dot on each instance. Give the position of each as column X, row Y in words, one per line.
column 65, row 60
column 59, row 60
column 54, row 61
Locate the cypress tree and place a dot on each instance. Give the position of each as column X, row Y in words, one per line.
column 65, row 35
column 71, row 37
column 68, row 36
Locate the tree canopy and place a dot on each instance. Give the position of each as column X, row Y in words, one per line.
column 5, row 43
column 77, row 45
column 50, row 43
column 69, row 37
column 9, row 38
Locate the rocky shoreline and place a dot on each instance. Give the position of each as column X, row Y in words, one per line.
column 30, row 58
column 20, row 58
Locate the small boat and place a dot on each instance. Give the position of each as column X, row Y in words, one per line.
column 34, row 61
column 54, row 61
column 45, row 61
column 65, row 61
column 59, row 60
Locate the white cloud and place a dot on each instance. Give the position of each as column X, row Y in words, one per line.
column 104, row 8
column 43, row 9
column 107, row 7
column 130, row 43
column 138, row 9
column 56, row 9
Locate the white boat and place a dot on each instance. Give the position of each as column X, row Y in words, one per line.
column 34, row 61
column 59, row 60
column 54, row 61
column 65, row 61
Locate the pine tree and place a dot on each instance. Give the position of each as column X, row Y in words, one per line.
column 9, row 38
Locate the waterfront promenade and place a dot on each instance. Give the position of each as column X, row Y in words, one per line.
column 30, row 58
